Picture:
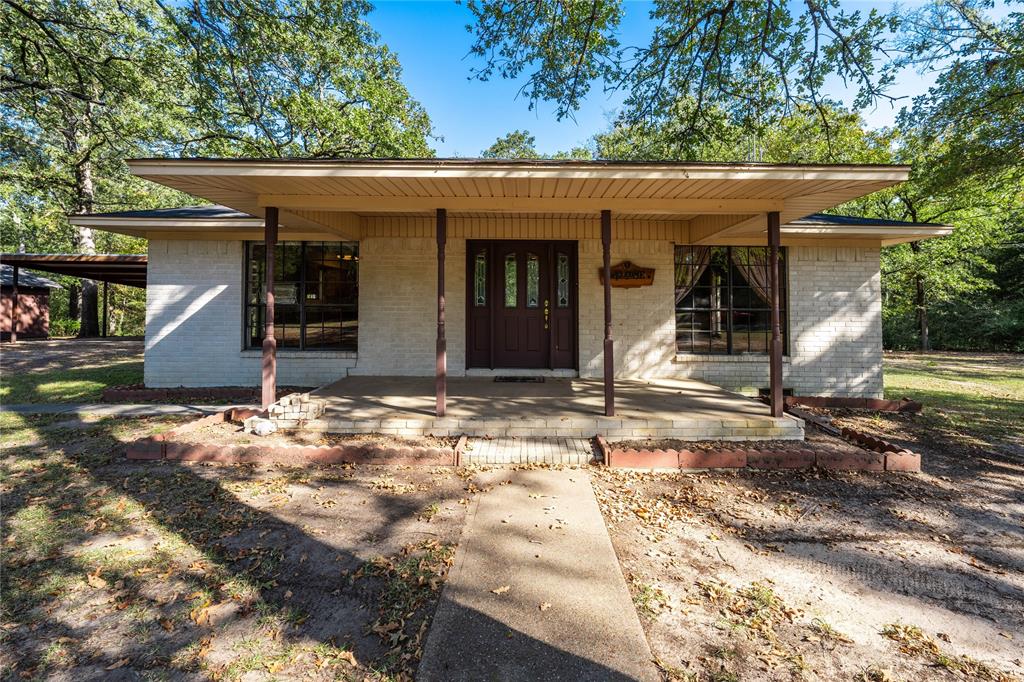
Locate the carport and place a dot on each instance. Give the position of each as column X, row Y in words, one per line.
column 110, row 268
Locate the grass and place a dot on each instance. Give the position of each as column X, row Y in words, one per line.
column 648, row 599
column 967, row 393
column 80, row 384
column 911, row 641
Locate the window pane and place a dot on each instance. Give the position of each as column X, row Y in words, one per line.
column 287, row 329
column 255, row 272
column 287, row 262
column 511, row 285
column 563, row 280
column 722, row 294
column 480, row 279
column 324, row 327
column 254, row 326
column 532, row 281
column 313, row 281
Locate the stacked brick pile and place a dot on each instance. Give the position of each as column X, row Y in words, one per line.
column 295, row 409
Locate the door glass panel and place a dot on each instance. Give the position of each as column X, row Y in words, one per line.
column 532, row 281
column 563, row 280
column 510, row 281
column 480, row 279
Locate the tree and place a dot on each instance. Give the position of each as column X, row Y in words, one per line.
column 755, row 60
column 976, row 107
column 519, row 144
column 85, row 84
column 918, row 275
column 309, row 78
column 81, row 86
column 799, row 138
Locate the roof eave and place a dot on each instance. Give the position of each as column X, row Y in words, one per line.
column 500, row 169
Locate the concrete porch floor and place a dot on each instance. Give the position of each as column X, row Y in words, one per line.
column 559, row 407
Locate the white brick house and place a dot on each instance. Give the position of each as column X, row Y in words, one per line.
column 524, row 246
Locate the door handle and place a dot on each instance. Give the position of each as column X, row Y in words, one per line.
column 547, row 312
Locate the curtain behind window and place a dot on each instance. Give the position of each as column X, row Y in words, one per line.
column 691, row 263
column 752, row 262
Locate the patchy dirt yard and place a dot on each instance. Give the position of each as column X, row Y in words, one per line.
column 115, row 570
column 67, row 370
column 817, row 575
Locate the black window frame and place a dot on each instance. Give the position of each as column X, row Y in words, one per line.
column 727, row 308
column 251, row 342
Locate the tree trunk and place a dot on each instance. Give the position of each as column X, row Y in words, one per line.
column 920, row 305
column 85, row 243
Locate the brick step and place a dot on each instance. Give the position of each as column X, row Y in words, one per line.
column 767, row 428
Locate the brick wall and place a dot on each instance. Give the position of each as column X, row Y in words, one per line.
column 194, row 323
column 194, row 309
column 835, row 317
column 835, row 305
column 643, row 319
column 398, row 306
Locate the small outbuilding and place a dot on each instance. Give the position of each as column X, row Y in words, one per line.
column 33, row 307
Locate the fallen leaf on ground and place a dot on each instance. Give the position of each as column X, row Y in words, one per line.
column 119, row 664
column 501, row 590
column 96, row 581
column 545, row 606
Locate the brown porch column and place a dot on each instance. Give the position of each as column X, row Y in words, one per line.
column 609, row 346
column 775, row 352
column 15, row 313
column 269, row 342
column 441, row 364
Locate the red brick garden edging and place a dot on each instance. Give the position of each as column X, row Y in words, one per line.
column 901, row 405
column 757, row 458
column 165, row 446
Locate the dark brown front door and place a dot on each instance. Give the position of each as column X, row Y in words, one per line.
column 522, row 304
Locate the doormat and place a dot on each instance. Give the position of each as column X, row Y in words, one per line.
column 519, row 380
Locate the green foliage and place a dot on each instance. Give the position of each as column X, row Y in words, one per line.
column 303, row 78
column 571, row 44
column 754, row 59
column 519, row 144
column 799, row 138
column 86, row 84
column 976, row 104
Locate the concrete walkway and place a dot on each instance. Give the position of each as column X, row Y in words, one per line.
column 115, row 410
column 536, row 592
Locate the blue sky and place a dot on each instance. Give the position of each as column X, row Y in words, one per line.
column 432, row 43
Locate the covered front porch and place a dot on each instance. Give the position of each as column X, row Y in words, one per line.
column 556, row 407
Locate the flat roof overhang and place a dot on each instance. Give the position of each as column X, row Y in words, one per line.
column 328, row 198
column 127, row 269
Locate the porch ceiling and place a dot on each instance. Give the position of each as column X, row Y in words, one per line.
column 715, row 200
column 705, row 203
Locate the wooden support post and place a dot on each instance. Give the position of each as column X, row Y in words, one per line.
column 441, row 365
column 269, row 342
column 105, row 311
column 15, row 311
column 775, row 352
column 609, row 346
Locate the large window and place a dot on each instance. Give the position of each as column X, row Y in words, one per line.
column 316, row 294
column 723, row 299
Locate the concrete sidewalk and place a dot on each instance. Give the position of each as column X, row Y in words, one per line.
column 536, row 592
column 115, row 410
